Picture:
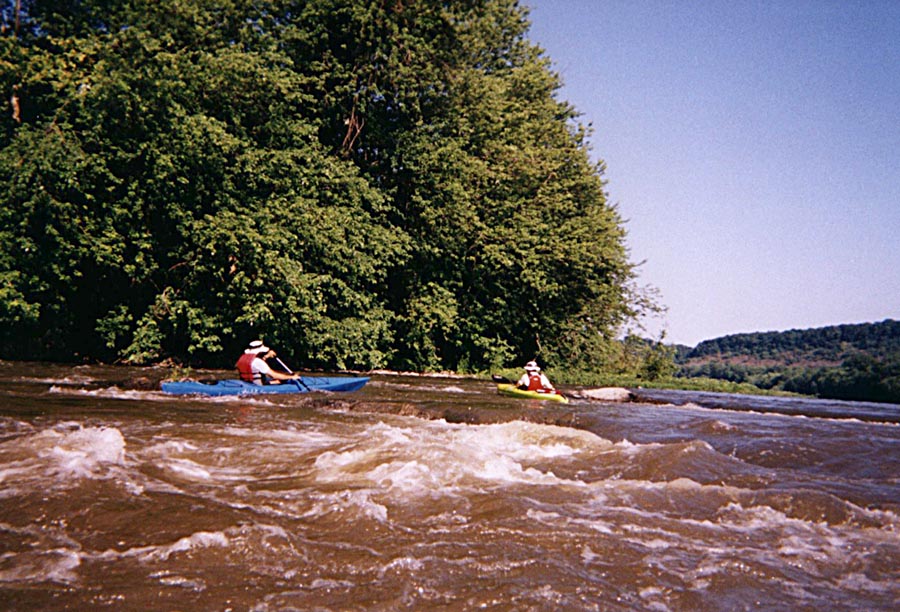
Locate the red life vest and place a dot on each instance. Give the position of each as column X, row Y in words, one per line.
column 534, row 382
column 243, row 367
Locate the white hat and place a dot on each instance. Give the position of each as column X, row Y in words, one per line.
column 257, row 347
column 532, row 366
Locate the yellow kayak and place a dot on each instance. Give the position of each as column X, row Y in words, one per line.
column 514, row 391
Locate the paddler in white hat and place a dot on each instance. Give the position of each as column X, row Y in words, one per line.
column 252, row 365
column 535, row 380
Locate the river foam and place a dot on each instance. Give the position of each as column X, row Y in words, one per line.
column 61, row 455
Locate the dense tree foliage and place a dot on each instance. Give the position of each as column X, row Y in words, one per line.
column 860, row 362
column 363, row 183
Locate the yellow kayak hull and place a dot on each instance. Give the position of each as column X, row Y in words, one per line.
column 513, row 391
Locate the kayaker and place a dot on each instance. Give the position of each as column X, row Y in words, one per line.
column 253, row 368
column 535, row 380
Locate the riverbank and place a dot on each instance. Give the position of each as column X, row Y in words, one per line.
column 577, row 382
column 608, row 381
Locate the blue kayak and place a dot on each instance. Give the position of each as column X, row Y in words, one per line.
column 238, row 387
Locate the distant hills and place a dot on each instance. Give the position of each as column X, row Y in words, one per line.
column 858, row 361
column 819, row 346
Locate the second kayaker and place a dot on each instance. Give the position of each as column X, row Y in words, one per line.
column 535, row 380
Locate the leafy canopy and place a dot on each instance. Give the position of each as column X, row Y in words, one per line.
column 363, row 184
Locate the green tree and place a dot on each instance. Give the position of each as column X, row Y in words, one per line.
column 365, row 183
column 170, row 198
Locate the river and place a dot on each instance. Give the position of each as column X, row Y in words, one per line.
column 423, row 493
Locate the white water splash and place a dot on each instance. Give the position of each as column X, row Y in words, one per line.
column 81, row 452
column 55, row 565
column 194, row 541
column 441, row 458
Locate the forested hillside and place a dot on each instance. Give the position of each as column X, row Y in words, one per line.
column 844, row 361
column 823, row 345
column 362, row 184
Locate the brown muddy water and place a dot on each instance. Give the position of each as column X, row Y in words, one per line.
column 437, row 494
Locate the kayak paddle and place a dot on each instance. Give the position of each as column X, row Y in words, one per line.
column 299, row 381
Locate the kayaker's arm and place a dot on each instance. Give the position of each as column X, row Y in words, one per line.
column 281, row 376
column 522, row 383
column 272, row 374
column 546, row 383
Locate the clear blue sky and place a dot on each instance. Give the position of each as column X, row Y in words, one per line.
column 753, row 148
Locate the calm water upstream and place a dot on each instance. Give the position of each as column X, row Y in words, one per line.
column 112, row 497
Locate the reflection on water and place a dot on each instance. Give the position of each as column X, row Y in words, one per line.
column 119, row 498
